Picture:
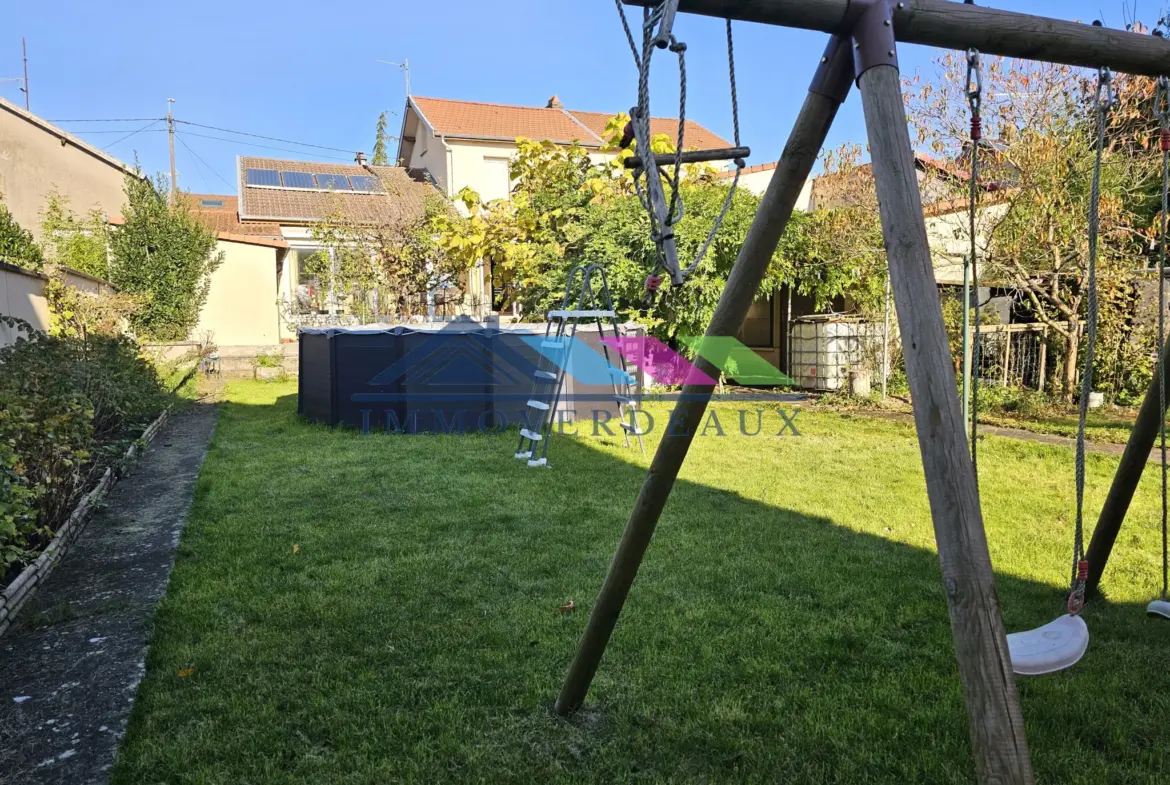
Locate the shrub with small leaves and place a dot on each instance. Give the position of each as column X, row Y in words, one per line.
column 67, row 407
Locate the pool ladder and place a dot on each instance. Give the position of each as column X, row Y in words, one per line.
column 589, row 304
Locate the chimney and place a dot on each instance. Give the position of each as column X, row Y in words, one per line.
column 554, row 103
column 360, row 159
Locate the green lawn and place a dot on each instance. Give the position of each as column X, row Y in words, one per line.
column 375, row 609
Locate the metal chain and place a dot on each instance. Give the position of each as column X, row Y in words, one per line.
column 975, row 100
column 1104, row 102
column 1162, row 106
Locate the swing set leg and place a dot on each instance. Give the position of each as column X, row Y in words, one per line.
column 985, row 670
column 1125, row 482
column 826, row 94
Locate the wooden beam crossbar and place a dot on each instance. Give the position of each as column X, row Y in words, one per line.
column 952, row 25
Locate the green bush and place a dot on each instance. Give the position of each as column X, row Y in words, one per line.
column 268, row 360
column 67, row 408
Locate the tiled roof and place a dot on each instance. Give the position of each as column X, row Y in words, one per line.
column 501, row 121
column 226, row 219
column 750, row 169
column 402, row 198
column 474, row 120
column 694, row 136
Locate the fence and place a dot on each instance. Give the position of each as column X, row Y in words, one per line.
column 1012, row 355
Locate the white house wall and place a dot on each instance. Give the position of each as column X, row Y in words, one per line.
column 428, row 152
column 950, row 241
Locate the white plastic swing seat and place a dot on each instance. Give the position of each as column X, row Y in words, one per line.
column 1057, row 645
column 1159, row 608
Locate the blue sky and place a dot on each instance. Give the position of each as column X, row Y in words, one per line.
column 307, row 72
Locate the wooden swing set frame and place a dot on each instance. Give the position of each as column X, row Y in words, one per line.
column 862, row 50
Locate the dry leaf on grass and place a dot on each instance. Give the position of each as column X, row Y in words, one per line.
column 568, row 608
column 296, row 548
column 183, row 673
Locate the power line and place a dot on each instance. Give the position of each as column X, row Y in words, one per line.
column 200, row 160
column 132, row 133
column 119, row 131
column 265, row 146
column 112, row 120
column 261, row 136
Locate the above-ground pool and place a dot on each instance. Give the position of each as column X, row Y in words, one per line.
column 455, row 377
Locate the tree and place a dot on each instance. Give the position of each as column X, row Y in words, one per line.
column 17, row 245
column 1040, row 137
column 381, row 158
column 166, row 257
column 81, row 244
column 392, row 268
column 566, row 210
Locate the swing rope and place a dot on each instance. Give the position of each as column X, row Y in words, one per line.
column 656, row 33
column 1162, row 106
column 1080, row 566
column 975, row 100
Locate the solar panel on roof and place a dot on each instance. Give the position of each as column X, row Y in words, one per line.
column 297, row 179
column 211, row 202
column 263, row 177
column 333, row 182
column 364, row 182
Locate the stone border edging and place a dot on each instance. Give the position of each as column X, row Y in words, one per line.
column 17, row 593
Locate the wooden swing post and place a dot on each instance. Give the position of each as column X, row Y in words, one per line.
column 826, row 94
column 985, row 669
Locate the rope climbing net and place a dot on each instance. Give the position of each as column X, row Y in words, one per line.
column 654, row 168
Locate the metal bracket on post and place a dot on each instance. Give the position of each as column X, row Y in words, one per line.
column 834, row 76
column 871, row 25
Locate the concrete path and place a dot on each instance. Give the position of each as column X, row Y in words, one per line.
column 1030, row 436
column 71, row 664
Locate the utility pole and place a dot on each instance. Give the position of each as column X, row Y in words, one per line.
column 171, row 139
column 24, row 54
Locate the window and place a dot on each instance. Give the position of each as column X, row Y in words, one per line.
column 496, row 181
column 263, row 177
column 211, row 202
column 297, row 179
column 332, row 182
column 364, row 182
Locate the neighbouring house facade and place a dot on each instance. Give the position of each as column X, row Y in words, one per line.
column 469, row 144
column 38, row 158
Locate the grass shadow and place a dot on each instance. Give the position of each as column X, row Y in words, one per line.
column 385, row 608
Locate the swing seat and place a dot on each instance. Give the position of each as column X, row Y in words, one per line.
column 1053, row 647
column 1159, row 608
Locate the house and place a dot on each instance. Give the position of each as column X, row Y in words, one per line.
column 263, row 289
column 38, row 158
column 468, row 144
